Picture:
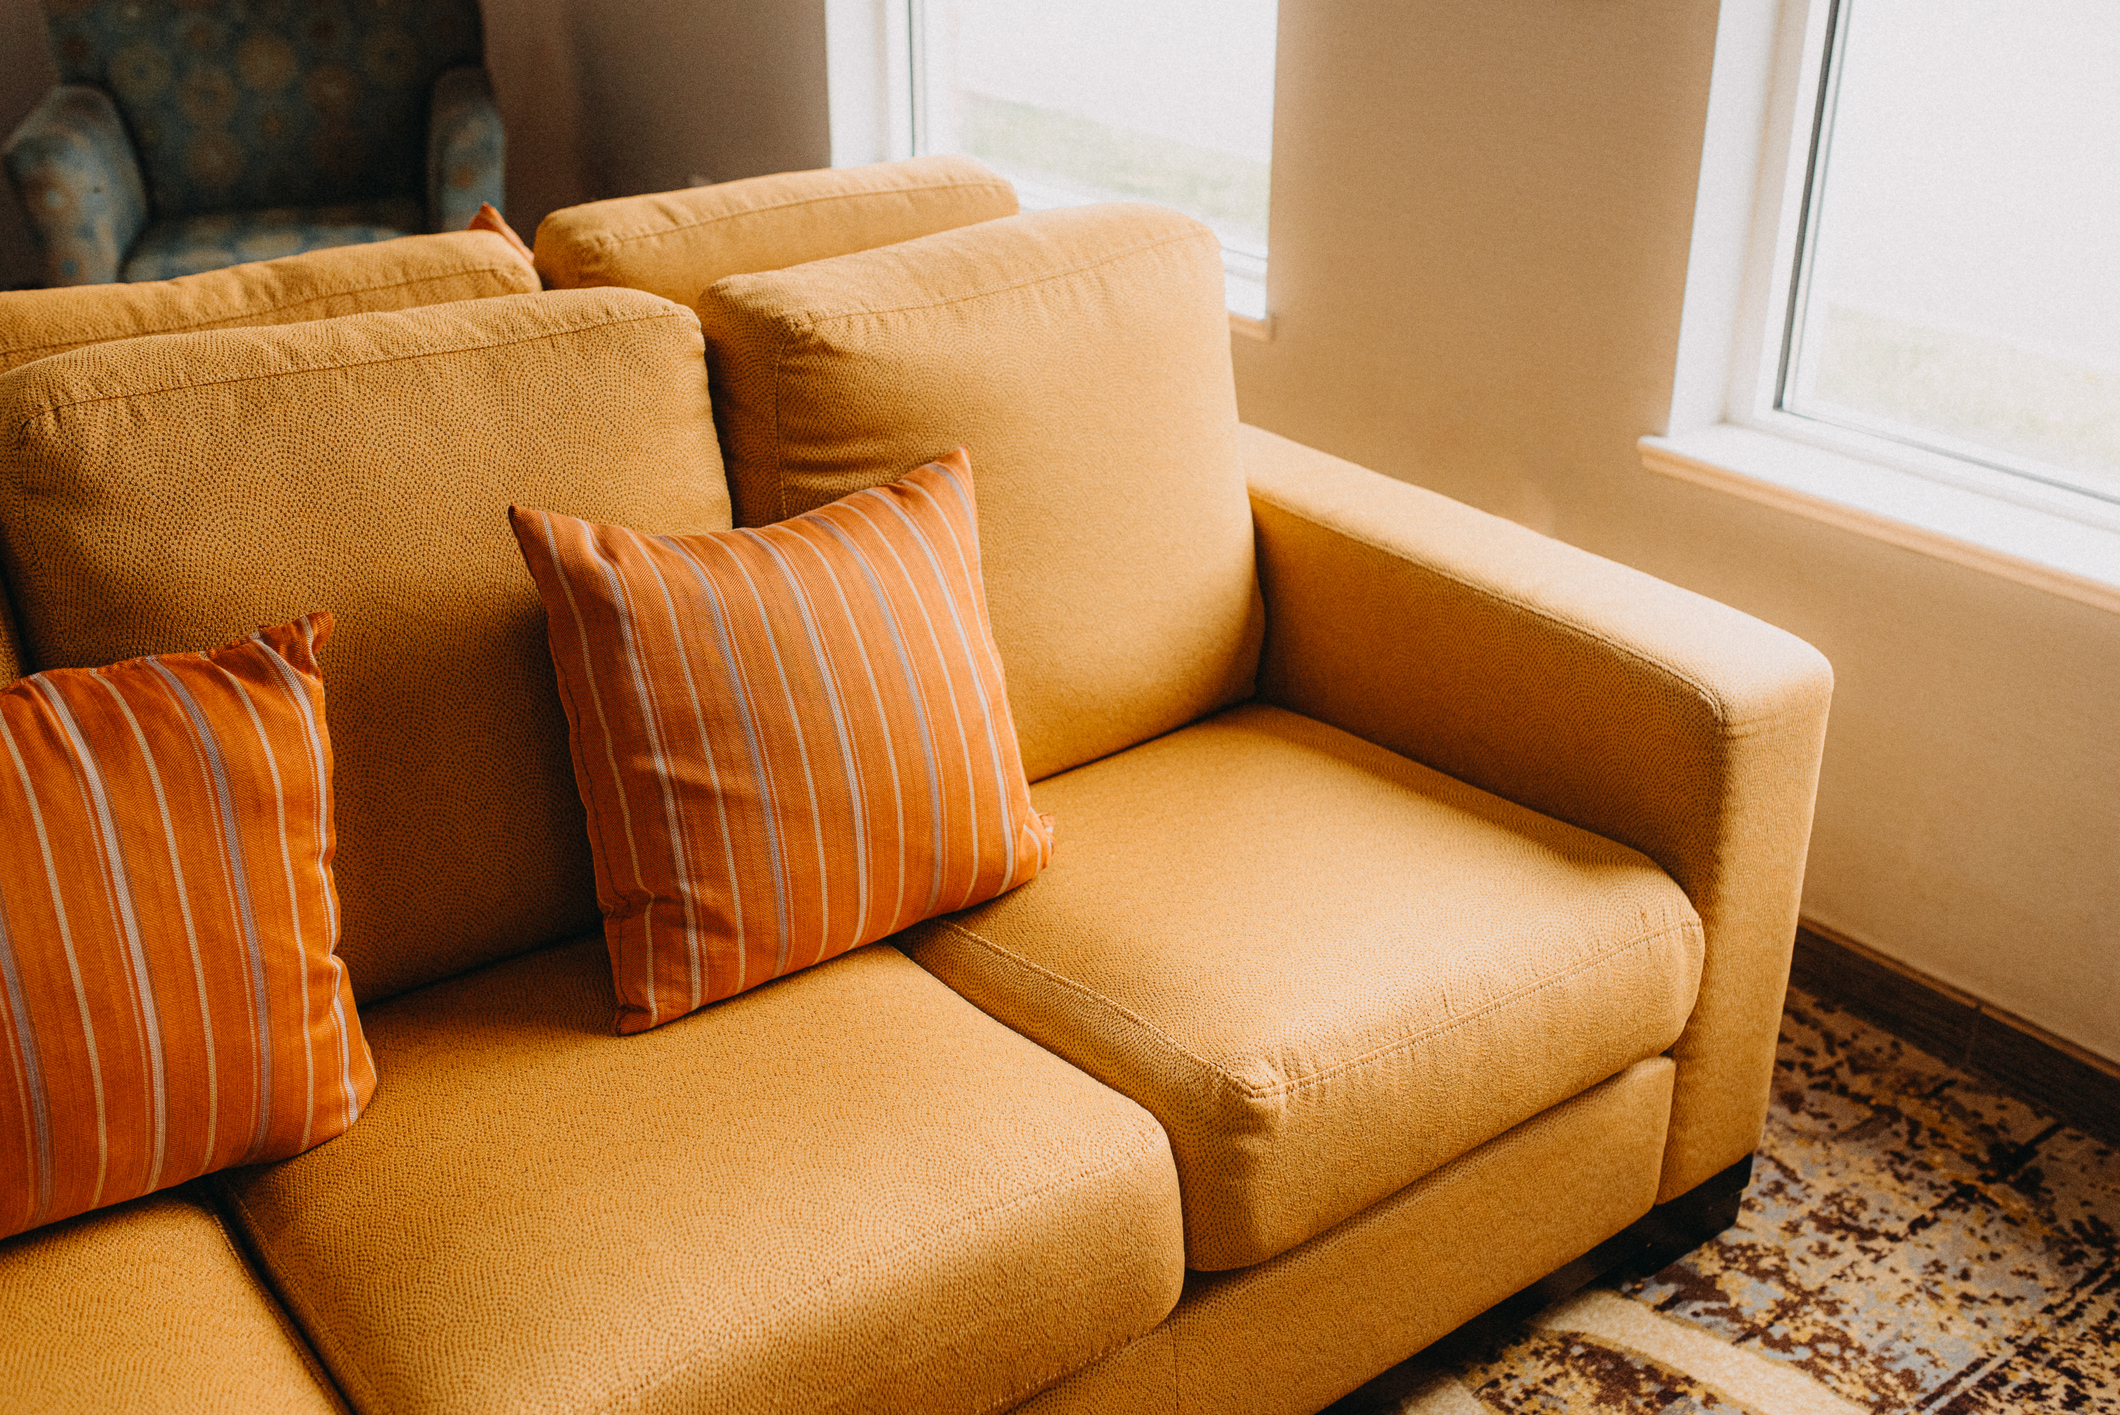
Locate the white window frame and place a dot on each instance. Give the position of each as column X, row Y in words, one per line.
column 1725, row 430
column 872, row 51
column 869, row 80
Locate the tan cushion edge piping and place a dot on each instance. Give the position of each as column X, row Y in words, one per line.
column 101, row 336
column 605, row 240
column 1708, row 694
column 676, row 312
column 105, row 335
column 280, row 1315
column 1297, row 1083
column 1156, row 1138
column 1100, row 1000
column 810, row 319
column 348, row 1372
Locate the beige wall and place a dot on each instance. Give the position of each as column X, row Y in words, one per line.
column 674, row 90
column 530, row 55
column 611, row 97
column 1481, row 214
column 601, row 97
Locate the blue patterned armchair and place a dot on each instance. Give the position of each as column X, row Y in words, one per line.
column 186, row 135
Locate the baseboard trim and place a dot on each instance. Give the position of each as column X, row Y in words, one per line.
column 2038, row 1067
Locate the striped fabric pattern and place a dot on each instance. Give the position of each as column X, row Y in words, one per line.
column 791, row 741
column 169, row 999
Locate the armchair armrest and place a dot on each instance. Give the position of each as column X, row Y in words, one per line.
column 1579, row 688
column 75, row 171
column 466, row 149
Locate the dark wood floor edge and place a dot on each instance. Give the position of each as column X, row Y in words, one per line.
column 2040, row 1068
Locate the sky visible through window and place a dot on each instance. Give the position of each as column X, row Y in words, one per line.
column 1964, row 289
column 1114, row 100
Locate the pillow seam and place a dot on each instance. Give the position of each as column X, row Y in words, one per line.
column 605, row 241
column 810, row 319
column 592, row 803
column 103, row 336
column 50, row 409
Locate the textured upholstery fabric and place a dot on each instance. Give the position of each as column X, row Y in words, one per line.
column 845, row 1191
column 78, row 179
column 1290, row 1336
column 1326, row 969
column 467, row 149
column 791, row 741
column 1583, row 690
column 188, row 245
column 1083, row 357
column 676, row 244
column 237, row 106
column 420, row 270
column 11, row 664
column 169, row 1002
column 165, row 493
column 144, row 1309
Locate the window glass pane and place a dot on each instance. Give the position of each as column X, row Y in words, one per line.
column 1962, row 289
column 1112, row 100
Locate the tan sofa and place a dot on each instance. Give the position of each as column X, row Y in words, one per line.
column 1418, row 928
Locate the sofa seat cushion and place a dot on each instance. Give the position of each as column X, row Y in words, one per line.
column 1325, row 968
column 843, row 1191
column 146, row 1307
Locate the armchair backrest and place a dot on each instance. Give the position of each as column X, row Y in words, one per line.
column 236, row 106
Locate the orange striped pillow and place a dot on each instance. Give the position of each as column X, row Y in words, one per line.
column 488, row 219
column 169, row 1000
column 791, row 741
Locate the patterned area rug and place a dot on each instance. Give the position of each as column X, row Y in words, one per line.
column 1913, row 1241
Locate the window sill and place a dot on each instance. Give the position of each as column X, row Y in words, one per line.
column 2031, row 546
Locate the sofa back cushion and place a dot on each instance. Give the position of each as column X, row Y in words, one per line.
column 166, row 493
column 676, row 244
column 386, row 275
column 1082, row 356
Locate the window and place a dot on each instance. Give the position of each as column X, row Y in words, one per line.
column 1902, row 306
column 1167, row 101
column 1957, row 279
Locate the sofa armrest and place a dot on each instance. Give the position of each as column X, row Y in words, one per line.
column 75, row 171
column 466, row 149
column 1579, row 688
